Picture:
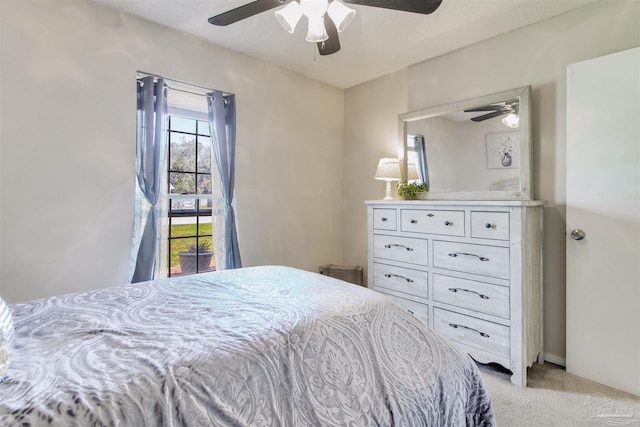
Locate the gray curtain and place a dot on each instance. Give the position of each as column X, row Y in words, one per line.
column 222, row 121
column 151, row 152
column 421, row 154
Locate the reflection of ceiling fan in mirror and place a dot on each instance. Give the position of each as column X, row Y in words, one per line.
column 326, row 18
column 495, row 110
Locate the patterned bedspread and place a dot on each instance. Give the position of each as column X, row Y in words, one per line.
column 261, row 346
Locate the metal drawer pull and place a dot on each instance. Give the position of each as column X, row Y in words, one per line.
column 384, row 219
column 482, row 334
column 389, row 276
column 430, row 215
column 483, row 296
column 481, row 258
column 487, row 225
column 413, row 221
column 410, row 311
column 398, row 246
column 448, row 223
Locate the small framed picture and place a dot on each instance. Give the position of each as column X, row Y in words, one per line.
column 503, row 150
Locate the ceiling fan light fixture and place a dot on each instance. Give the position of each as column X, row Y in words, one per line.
column 316, row 31
column 340, row 14
column 512, row 120
column 314, row 8
column 289, row 16
column 335, row 16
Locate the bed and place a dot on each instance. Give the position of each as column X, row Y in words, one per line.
column 259, row 346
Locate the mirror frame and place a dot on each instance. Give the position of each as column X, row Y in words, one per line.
column 526, row 154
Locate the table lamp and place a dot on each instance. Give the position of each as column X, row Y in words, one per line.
column 388, row 170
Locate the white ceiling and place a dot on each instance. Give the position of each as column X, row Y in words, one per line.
column 377, row 42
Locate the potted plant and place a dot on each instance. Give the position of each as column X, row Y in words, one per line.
column 407, row 190
column 200, row 252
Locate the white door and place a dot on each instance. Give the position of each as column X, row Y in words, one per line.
column 603, row 212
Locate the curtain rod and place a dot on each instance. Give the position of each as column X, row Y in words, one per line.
column 186, row 91
column 184, row 83
column 225, row 96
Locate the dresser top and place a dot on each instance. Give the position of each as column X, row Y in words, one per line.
column 396, row 203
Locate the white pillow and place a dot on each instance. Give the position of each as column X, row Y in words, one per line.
column 6, row 337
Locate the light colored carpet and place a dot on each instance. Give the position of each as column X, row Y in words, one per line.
column 555, row 398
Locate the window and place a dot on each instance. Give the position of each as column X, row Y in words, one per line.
column 417, row 155
column 190, row 241
column 412, row 156
column 180, row 211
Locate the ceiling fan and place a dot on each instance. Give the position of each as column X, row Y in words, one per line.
column 322, row 14
column 509, row 108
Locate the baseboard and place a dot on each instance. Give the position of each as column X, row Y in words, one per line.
column 556, row 360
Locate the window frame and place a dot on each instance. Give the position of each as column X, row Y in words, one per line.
column 198, row 211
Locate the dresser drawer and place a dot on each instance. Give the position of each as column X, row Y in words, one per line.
column 490, row 225
column 486, row 336
column 420, row 311
column 485, row 260
column 405, row 280
column 404, row 249
column 385, row 219
column 450, row 223
column 479, row 296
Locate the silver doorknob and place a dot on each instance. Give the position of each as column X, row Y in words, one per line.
column 577, row 234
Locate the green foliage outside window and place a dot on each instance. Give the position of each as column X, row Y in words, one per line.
column 183, row 165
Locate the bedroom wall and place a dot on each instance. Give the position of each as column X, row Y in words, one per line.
column 536, row 55
column 67, row 147
column 371, row 129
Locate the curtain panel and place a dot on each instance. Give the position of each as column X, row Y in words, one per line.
column 421, row 154
column 222, row 122
column 151, row 152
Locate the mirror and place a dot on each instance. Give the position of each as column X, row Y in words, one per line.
column 478, row 149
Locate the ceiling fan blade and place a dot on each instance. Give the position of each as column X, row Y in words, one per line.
column 485, row 108
column 332, row 44
column 245, row 11
column 416, row 6
column 488, row 116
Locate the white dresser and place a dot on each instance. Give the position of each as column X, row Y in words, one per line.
column 472, row 270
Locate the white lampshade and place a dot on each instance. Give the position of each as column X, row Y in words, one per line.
column 316, row 31
column 412, row 172
column 340, row 14
column 388, row 169
column 289, row 16
column 313, row 8
column 511, row 120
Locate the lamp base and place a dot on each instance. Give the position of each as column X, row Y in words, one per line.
column 388, row 195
